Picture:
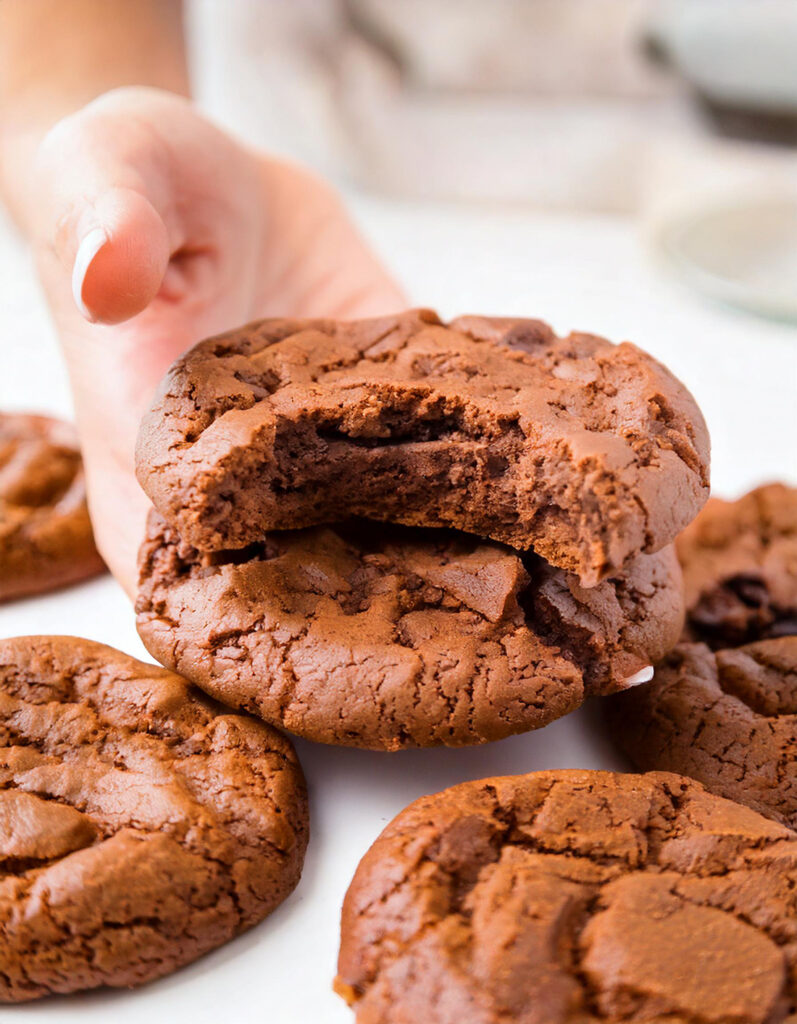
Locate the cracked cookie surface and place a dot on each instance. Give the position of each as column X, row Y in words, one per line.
column 46, row 540
column 386, row 637
column 572, row 897
column 584, row 451
column 141, row 825
column 740, row 568
column 726, row 718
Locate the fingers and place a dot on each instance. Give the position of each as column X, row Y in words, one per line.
column 105, row 198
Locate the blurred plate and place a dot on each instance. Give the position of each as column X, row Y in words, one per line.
column 744, row 255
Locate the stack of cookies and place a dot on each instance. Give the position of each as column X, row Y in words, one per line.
column 399, row 532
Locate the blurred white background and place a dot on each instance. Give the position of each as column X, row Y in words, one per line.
column 682, row 113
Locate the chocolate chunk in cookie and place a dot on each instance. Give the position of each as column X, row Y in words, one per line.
column 727, row 718
column 740, row 568
column 386, row 637
column 45, row 533
column 574, row 896
column 583, row 451
column 141, row 825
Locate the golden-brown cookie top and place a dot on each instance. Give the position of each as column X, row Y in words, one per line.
column 46, row 539
column 141, row 825
column 573, row 896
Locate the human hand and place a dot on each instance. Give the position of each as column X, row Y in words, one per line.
column 153, row 229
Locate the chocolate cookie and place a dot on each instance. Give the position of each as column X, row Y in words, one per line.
column 740, row 568
column 574, row 897
column 387, row 637
column 45, row 533
column 585, row 451
column 140, row 824
column 727, row 718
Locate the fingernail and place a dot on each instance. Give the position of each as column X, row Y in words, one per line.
column 87, row 250
column 644, row 675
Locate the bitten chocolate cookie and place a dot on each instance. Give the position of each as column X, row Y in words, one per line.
column 740, row 568
column 45, row 533
column 140, row 824
column 727, row 718
column 585, row 451
column 387, row 637
column 573, row 897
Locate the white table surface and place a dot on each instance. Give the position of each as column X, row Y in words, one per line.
column 577, row 272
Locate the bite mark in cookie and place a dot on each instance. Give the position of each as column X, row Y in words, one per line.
column 585, row 451
column 388, row 637
column 141, row 825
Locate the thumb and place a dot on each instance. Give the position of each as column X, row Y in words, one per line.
column 102, row 194
column 118, row 250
